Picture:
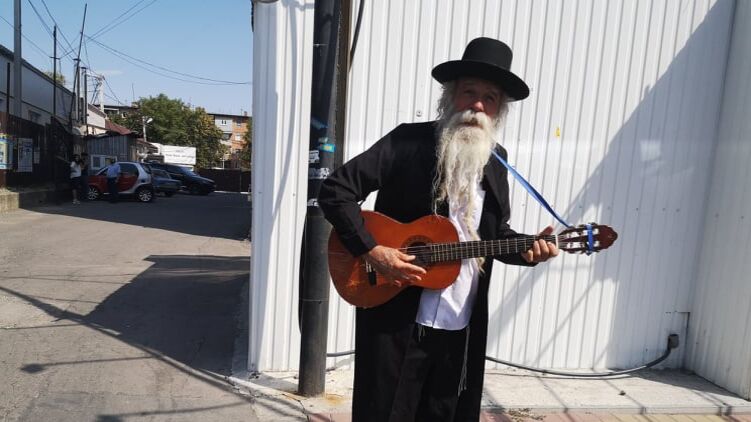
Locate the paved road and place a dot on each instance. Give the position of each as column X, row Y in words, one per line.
column 128, row 311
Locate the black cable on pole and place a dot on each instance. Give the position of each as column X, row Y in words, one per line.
column 672, row 344
column 357, row 32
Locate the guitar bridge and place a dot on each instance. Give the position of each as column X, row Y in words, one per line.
column 370, row 271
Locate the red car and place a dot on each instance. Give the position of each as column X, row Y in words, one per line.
column 135, row 179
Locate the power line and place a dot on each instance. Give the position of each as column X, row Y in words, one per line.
column 70, row 46
column 124, row 20
column 46, row 54
column 125, row 57
column 107, row 25
column 107, row 84
column 44, row 24
column 114, row 99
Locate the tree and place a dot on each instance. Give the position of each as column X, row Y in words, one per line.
column 60, row 77
column 246, row 154
column 174, row 123
column 205, row 136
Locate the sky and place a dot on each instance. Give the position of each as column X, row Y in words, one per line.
column 180, row 48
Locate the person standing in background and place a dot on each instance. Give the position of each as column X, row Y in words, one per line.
column 75, row 177
column 113, row 173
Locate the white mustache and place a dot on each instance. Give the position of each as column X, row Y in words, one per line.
column 469, row 117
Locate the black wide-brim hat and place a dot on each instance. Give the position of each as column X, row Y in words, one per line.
column 488, row 59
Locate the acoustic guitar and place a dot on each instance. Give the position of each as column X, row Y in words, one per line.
column 435, row 243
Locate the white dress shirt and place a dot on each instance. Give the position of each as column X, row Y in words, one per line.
column 451, row 308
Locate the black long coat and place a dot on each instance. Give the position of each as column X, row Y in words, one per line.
column 401, row 167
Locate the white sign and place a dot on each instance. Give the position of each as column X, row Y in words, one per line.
column 4, row 153
column 179, row 155
column 25, row 155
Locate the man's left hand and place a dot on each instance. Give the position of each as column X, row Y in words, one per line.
column 541, row 250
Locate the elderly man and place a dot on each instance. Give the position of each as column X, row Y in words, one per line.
column 421, row 355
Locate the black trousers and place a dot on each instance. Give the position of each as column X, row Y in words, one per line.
column 416, row 380
column 112, row 188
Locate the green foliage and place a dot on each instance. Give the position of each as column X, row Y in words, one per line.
column 246, row 154
column 174, row 123
column 60, row 76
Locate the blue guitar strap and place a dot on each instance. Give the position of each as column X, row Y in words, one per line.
column 532, row 191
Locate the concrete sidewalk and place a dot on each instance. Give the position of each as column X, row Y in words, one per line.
column 521, row 395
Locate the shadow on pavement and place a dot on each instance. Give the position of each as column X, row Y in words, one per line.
column 184, row 311
column 184, row 307
column 220, row 214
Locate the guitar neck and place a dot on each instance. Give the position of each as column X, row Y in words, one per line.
column 440, row 252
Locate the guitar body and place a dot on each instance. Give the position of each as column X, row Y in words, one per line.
column 368, row 289
column 434, row 242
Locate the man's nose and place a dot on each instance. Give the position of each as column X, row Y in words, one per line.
column 478, row 106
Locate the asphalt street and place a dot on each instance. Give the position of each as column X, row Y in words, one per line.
column 124, row 312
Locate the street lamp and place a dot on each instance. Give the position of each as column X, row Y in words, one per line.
column 145, row 120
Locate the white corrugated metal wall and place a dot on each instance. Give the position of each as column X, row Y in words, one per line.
column 282, row 54
column 719, row 337
column 632, row 87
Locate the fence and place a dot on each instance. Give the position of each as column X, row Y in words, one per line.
column 230, row 180
column 34, row 154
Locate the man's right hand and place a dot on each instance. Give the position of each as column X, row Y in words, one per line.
column 394, row 265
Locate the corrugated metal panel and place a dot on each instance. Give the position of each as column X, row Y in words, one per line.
column 720, row 341
column 633, row 86
column 281, row 101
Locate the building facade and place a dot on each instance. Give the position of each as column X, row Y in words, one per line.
column 233, row 127
column 37, row 91
column 637, row 127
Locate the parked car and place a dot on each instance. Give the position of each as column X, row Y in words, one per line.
column 163, row 183
column 135, row 180
column 191, row 182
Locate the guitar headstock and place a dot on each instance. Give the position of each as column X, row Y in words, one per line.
column 576, row 239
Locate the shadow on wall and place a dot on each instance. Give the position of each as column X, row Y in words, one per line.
column 649, row 183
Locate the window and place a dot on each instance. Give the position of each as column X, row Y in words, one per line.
column 34, row 116
column 238, row 137
column 226, row 136
column 127, row 168
column 99, row 161
column 223, row 122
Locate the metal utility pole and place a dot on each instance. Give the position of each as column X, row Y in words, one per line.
column 73, row 99
column 17, row 59
column 100, row 91
column 329, row 43
column 85, row 98
column 54, row 73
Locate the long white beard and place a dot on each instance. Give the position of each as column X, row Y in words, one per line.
column 464, row 147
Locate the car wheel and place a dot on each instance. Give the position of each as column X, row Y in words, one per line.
column 168, row 194
column 194, row 190
column 145, row 194
column 93, row 193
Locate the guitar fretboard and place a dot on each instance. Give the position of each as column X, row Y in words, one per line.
column 440, row 252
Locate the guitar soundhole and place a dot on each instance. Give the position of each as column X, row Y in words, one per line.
column 417, row 245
